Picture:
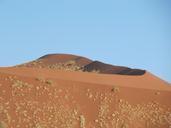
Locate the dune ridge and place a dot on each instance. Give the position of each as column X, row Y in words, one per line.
column 78, row 63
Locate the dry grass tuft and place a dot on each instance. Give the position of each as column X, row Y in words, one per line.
column 38, row 126
column 82, row 121
column 49, row 82
column 20, row 84
column 3, row 124
column 115, row 89
column 42, row 80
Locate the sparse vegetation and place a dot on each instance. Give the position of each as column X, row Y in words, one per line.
column 82, row 121
column 35, row 63
column 46, row 81
column 62, row 106
column 38, row 125
column 20, row 84
column 3, row 124
column 115, row 89
column 40, row 79
column 49, row 82
column 70, row 65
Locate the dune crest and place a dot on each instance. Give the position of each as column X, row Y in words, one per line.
column 78, row 63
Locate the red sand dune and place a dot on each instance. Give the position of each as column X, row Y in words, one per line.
column 32, row 97
column 51, row 59
column 82, row 63
column 54, row 58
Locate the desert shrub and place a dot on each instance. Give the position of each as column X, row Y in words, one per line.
column 3, row 124
column 115, row 89
column 49, row 82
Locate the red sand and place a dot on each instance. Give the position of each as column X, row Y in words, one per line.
column 51, row 59
column 74, row 62
column 49, row 98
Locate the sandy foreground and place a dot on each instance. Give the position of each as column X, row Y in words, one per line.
column 45, row 98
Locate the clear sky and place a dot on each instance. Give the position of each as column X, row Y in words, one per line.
column 133, row 33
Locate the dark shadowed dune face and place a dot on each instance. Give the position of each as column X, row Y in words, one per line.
column 78, row 63
column 110, row 69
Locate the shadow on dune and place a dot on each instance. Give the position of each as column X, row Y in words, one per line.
column 110, row 69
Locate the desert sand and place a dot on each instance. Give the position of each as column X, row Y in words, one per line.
column 66, row 91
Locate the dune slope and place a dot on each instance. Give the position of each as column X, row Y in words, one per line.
column 78, row 63
column 50, row 98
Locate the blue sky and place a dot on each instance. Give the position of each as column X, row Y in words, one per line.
column 134, row 33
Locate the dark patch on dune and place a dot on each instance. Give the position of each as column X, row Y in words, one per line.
column 82, row 63
column 110, row 69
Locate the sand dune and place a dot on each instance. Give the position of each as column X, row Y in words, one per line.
column 34, row 97
column 56, row 61
column 54, row 58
